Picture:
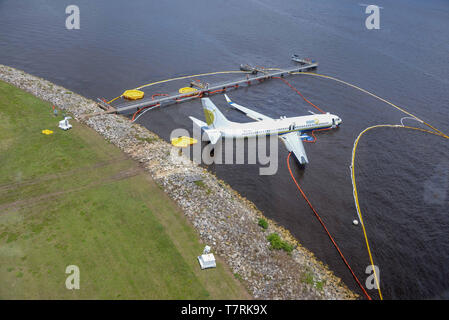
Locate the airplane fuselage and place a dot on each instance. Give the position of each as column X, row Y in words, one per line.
column 279, row 126
column 289, row 130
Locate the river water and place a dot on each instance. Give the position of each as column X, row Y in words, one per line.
column 402, row 175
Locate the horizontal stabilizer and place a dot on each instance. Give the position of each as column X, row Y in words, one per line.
column 200, row 124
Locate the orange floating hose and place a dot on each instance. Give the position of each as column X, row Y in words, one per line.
column 313, row 134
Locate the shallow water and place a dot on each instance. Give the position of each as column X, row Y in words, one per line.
column 402, row 175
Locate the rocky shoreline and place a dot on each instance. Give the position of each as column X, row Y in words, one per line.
column 224, row 220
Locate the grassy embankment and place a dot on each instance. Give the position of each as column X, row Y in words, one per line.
column 71, row 198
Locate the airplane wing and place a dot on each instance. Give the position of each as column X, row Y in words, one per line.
column 249, row 113
column 293, row 143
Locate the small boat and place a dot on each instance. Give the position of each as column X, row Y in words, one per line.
column 302, row 61
column 247, row 67
column 198, row 84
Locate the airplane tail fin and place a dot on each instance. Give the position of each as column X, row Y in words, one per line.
column 214, row 117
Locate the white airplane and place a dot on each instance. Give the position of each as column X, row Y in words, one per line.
column 290, row 130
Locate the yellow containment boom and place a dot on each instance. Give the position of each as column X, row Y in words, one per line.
column 133, row 94
column 183, row 141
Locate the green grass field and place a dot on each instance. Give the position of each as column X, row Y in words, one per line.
column 71, row 198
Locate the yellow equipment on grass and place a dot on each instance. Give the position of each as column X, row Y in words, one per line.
column 47, row 132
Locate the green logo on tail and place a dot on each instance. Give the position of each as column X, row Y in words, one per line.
column 209, row 116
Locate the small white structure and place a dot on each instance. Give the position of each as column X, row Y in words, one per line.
column 64, row 124
column 207, row 259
